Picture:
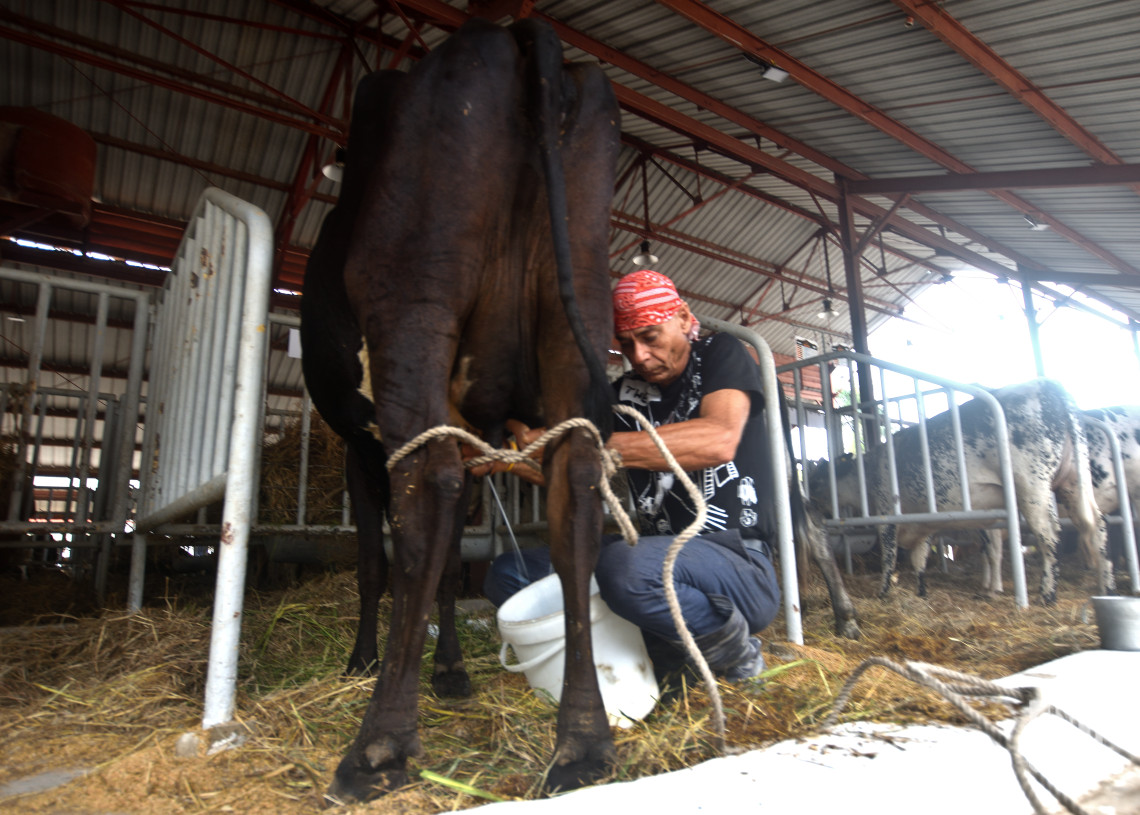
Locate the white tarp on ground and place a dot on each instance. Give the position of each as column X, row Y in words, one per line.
column 930, row 769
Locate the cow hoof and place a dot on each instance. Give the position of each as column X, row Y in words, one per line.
column 848, row 629
column 597, row 763
column 453, row 684
column 361, row 669
column 575, row 774
column 362, row 665
column 355, row 784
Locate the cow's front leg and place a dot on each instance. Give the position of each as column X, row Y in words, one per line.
column 369, row 495
column 584, row 750
column 425, row 489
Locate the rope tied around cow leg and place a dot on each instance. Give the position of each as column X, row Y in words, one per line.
column 1029, row 701
column 611, row 463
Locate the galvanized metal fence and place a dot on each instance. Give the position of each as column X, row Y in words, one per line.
column 900, row 399
column 204, row 408
column 780, row 468
column 83, row 521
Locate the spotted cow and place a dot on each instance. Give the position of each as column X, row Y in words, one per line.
column 463, row 277
column 1124, row 423
column 1049, row 457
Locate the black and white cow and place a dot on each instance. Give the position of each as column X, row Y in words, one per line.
column 1049, row 457
column 1125, row 425
column 1124, row 422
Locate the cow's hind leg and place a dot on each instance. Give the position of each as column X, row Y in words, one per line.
column 449, row 676
column 919, row 554
column 1043, row 521
column 992, row 544
column 810, row 536
column 1092, row 536
column 888, row 543
column 426, row 487
column 584, row 751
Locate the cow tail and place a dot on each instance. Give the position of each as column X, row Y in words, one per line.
column 545, row 76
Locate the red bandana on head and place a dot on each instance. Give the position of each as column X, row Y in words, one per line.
column 644, row 298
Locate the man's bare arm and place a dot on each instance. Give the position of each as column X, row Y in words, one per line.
column 709, row 440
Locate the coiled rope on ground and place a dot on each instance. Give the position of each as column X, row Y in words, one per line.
column 611, row 463
column 1028, row 702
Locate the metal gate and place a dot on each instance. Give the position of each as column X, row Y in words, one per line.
column 204, row 408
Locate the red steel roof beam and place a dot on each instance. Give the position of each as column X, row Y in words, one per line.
column 748, row 42
column 170, row 84
column 985, row 59
column 205, row 52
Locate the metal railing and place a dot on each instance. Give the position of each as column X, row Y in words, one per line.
column 873, row 419
column 780, row 468
column 88, row 521
column 203, row 430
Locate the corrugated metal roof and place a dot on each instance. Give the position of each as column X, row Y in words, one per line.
column 188, row 93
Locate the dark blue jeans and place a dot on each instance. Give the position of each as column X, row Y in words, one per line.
column 631, row 583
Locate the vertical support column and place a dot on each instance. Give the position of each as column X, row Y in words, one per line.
column 1031, row 321
column 855, row 300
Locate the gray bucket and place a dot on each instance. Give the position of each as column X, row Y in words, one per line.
column 1118, row 620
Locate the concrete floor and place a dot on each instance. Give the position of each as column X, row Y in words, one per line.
column 927, row 769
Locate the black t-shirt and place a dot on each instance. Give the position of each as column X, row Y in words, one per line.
column 738, row 494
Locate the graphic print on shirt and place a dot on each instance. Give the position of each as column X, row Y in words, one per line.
column 649, row 505
column 746, row 493
column 658, row 491
column 638, row 392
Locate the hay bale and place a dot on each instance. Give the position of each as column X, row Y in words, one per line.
column 281, row 468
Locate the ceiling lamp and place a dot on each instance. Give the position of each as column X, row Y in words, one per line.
column 1035, row 225
column 767, row 69
column 334, row 170
column 644, row 257
column 828, row 311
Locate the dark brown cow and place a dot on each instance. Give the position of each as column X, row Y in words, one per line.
column 462, row 254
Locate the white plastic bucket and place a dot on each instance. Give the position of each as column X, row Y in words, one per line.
column 532, row 623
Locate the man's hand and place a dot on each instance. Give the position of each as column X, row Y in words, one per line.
column 520, row 437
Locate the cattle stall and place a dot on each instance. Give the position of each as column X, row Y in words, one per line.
column 853, row 425
column 902, row 397
column 77, row 427
column 167, row 422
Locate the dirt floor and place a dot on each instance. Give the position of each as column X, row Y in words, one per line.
column 109, row 695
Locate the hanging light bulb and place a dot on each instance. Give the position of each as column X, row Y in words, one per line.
column 334, row 170
column 828, row 311
column 644, row 257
